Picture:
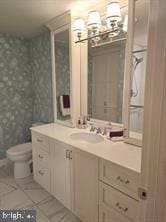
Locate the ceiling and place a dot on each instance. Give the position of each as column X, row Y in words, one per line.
column 27, row 17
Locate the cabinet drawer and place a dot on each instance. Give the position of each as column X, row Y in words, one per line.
column 40, row 141
column 110, row 215
column 118, row 201
column 42, row 175
column 119, row 177
column 41, row 156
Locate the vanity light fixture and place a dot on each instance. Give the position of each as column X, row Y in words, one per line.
column 97, row 31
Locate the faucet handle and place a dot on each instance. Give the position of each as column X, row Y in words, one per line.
column 105, row 131
column 98, row 130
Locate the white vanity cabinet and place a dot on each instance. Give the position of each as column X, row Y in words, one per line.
column 61, row 169
column 118, row 198
column 41, row 160
column 95, row 189
column 85, row 177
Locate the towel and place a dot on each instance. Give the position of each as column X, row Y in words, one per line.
column 65, row 105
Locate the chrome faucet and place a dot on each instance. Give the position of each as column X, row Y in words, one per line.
column 92, row 128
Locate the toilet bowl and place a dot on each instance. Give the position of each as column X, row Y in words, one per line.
column 21, row 155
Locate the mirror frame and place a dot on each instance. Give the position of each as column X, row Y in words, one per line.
column 53, row 33
column 128, row 76
column 84, row 86
column 58, row 24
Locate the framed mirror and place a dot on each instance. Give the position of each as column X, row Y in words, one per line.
column 137, row 71
column 62, row 75
column 105, row 76
column 106, row 80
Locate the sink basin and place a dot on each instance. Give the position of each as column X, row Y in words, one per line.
column 88, row 137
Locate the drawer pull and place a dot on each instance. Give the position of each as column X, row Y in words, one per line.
column 40, row 172
column 40, row 156
column 124, row 209
column 39, row 140
column 123, row 181
column 70, row 155
column 67, row 154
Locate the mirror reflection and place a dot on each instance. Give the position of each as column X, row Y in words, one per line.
column 105, row 81
column 62, row 70
column 138, row 69
column 106, row 59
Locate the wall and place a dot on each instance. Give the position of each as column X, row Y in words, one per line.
column 40, row 54
column 15, row 92
column 25, row 87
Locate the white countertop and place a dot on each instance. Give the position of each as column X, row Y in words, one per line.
column 123, row 154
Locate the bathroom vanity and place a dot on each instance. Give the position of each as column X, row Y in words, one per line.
column 97, row 181
column 95, row 178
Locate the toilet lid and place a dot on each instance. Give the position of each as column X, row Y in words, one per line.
column 20, row 149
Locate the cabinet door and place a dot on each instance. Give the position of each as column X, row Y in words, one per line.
column 60, row 172
column 85, row 186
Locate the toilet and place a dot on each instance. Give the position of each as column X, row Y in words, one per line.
column 21, row 155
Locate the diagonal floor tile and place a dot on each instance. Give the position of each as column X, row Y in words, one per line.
column 5, row 188
column 13, row 199
column 37, row 195
column 51, row 206
column 9, row 181
column 69, row 217
column 58, row 216
column 32, row 185
column 40, row 217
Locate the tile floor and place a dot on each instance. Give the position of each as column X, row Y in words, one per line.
column 27, row 194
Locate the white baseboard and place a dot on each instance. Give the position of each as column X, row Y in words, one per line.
column 4, row 162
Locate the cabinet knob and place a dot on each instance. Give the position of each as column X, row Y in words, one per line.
column 40, row 156
column 40, row 172
column 105, row 103
column 39, row 140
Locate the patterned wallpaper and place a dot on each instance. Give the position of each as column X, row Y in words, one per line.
column 62, row 74
column 15, row 92
column 40, row 54
column 25, row 87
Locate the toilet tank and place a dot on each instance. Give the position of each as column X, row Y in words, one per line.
column 37, row 124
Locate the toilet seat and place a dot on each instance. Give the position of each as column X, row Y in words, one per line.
column 20, row 149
